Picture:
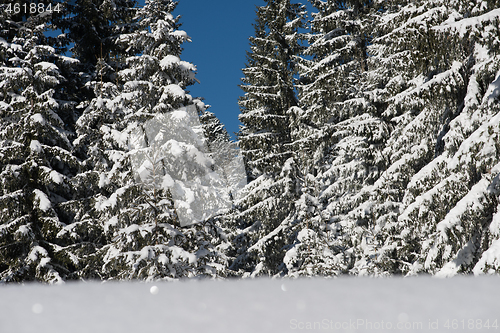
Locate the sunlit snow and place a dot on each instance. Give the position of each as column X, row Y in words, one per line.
column 43, row 201
column 337, row 305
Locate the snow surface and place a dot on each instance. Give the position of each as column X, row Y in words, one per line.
column 463, row 26
column 261, row 305
column 43, row 201
column 38, row 118
column 35, row 146
column 169, row 61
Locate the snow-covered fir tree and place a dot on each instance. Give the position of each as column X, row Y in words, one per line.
column 144, row 136
column 386, row 113
column 336, row 133
column 432, row 206
column 36, row 159
column 225, row 154
column 269, row 86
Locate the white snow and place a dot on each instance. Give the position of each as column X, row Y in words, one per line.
column 338, row 305
column 144, row 170
column 103, row 180
column 465, row 25
column 175, row 90
column 38, row 118
column 175, row 148
column 481, row 52
column 5, row 106
column 490, row 258
column 119, row 137
column 306, row 234
column 469, row 203
column 35, row 146
column 493, row 89
column 23, row 230
column 103, row 202
column 463, row 257
column 35, row 252
column 56, row 177
column 463, row 155
column 180, row 33
column 167, row 181
column 495, row 223
column 290, row 256
column 46, row 66
column 179, row 115
column 110, row 223
column 169, row 61
column 99, row 102
column 43, row 200
column 179, row 254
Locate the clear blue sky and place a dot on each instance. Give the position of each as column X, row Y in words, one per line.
column 219, row 30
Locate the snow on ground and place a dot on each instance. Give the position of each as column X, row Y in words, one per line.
column 421, row 304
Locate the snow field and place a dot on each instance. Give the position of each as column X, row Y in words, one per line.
column 422, row 304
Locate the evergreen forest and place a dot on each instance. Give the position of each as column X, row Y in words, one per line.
column 369, row 145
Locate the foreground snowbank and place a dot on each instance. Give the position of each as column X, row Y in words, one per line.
column 421, row 304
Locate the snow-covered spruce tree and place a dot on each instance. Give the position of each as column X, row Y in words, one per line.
column 336, row 58
column 130, row 161
column 438, row 66
column 36, row 161
column 213, row 129
column 94, row 27
column 402, row 49
column 269, row 87
column 461, row 232
column 265, row 137
column 338, row 132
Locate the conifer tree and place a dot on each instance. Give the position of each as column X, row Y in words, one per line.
column 269, row 87
column 95, row 25
column 37, row 163
column 92, row 28
column 336, row 133
column 136, row 138
column 429, row 90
